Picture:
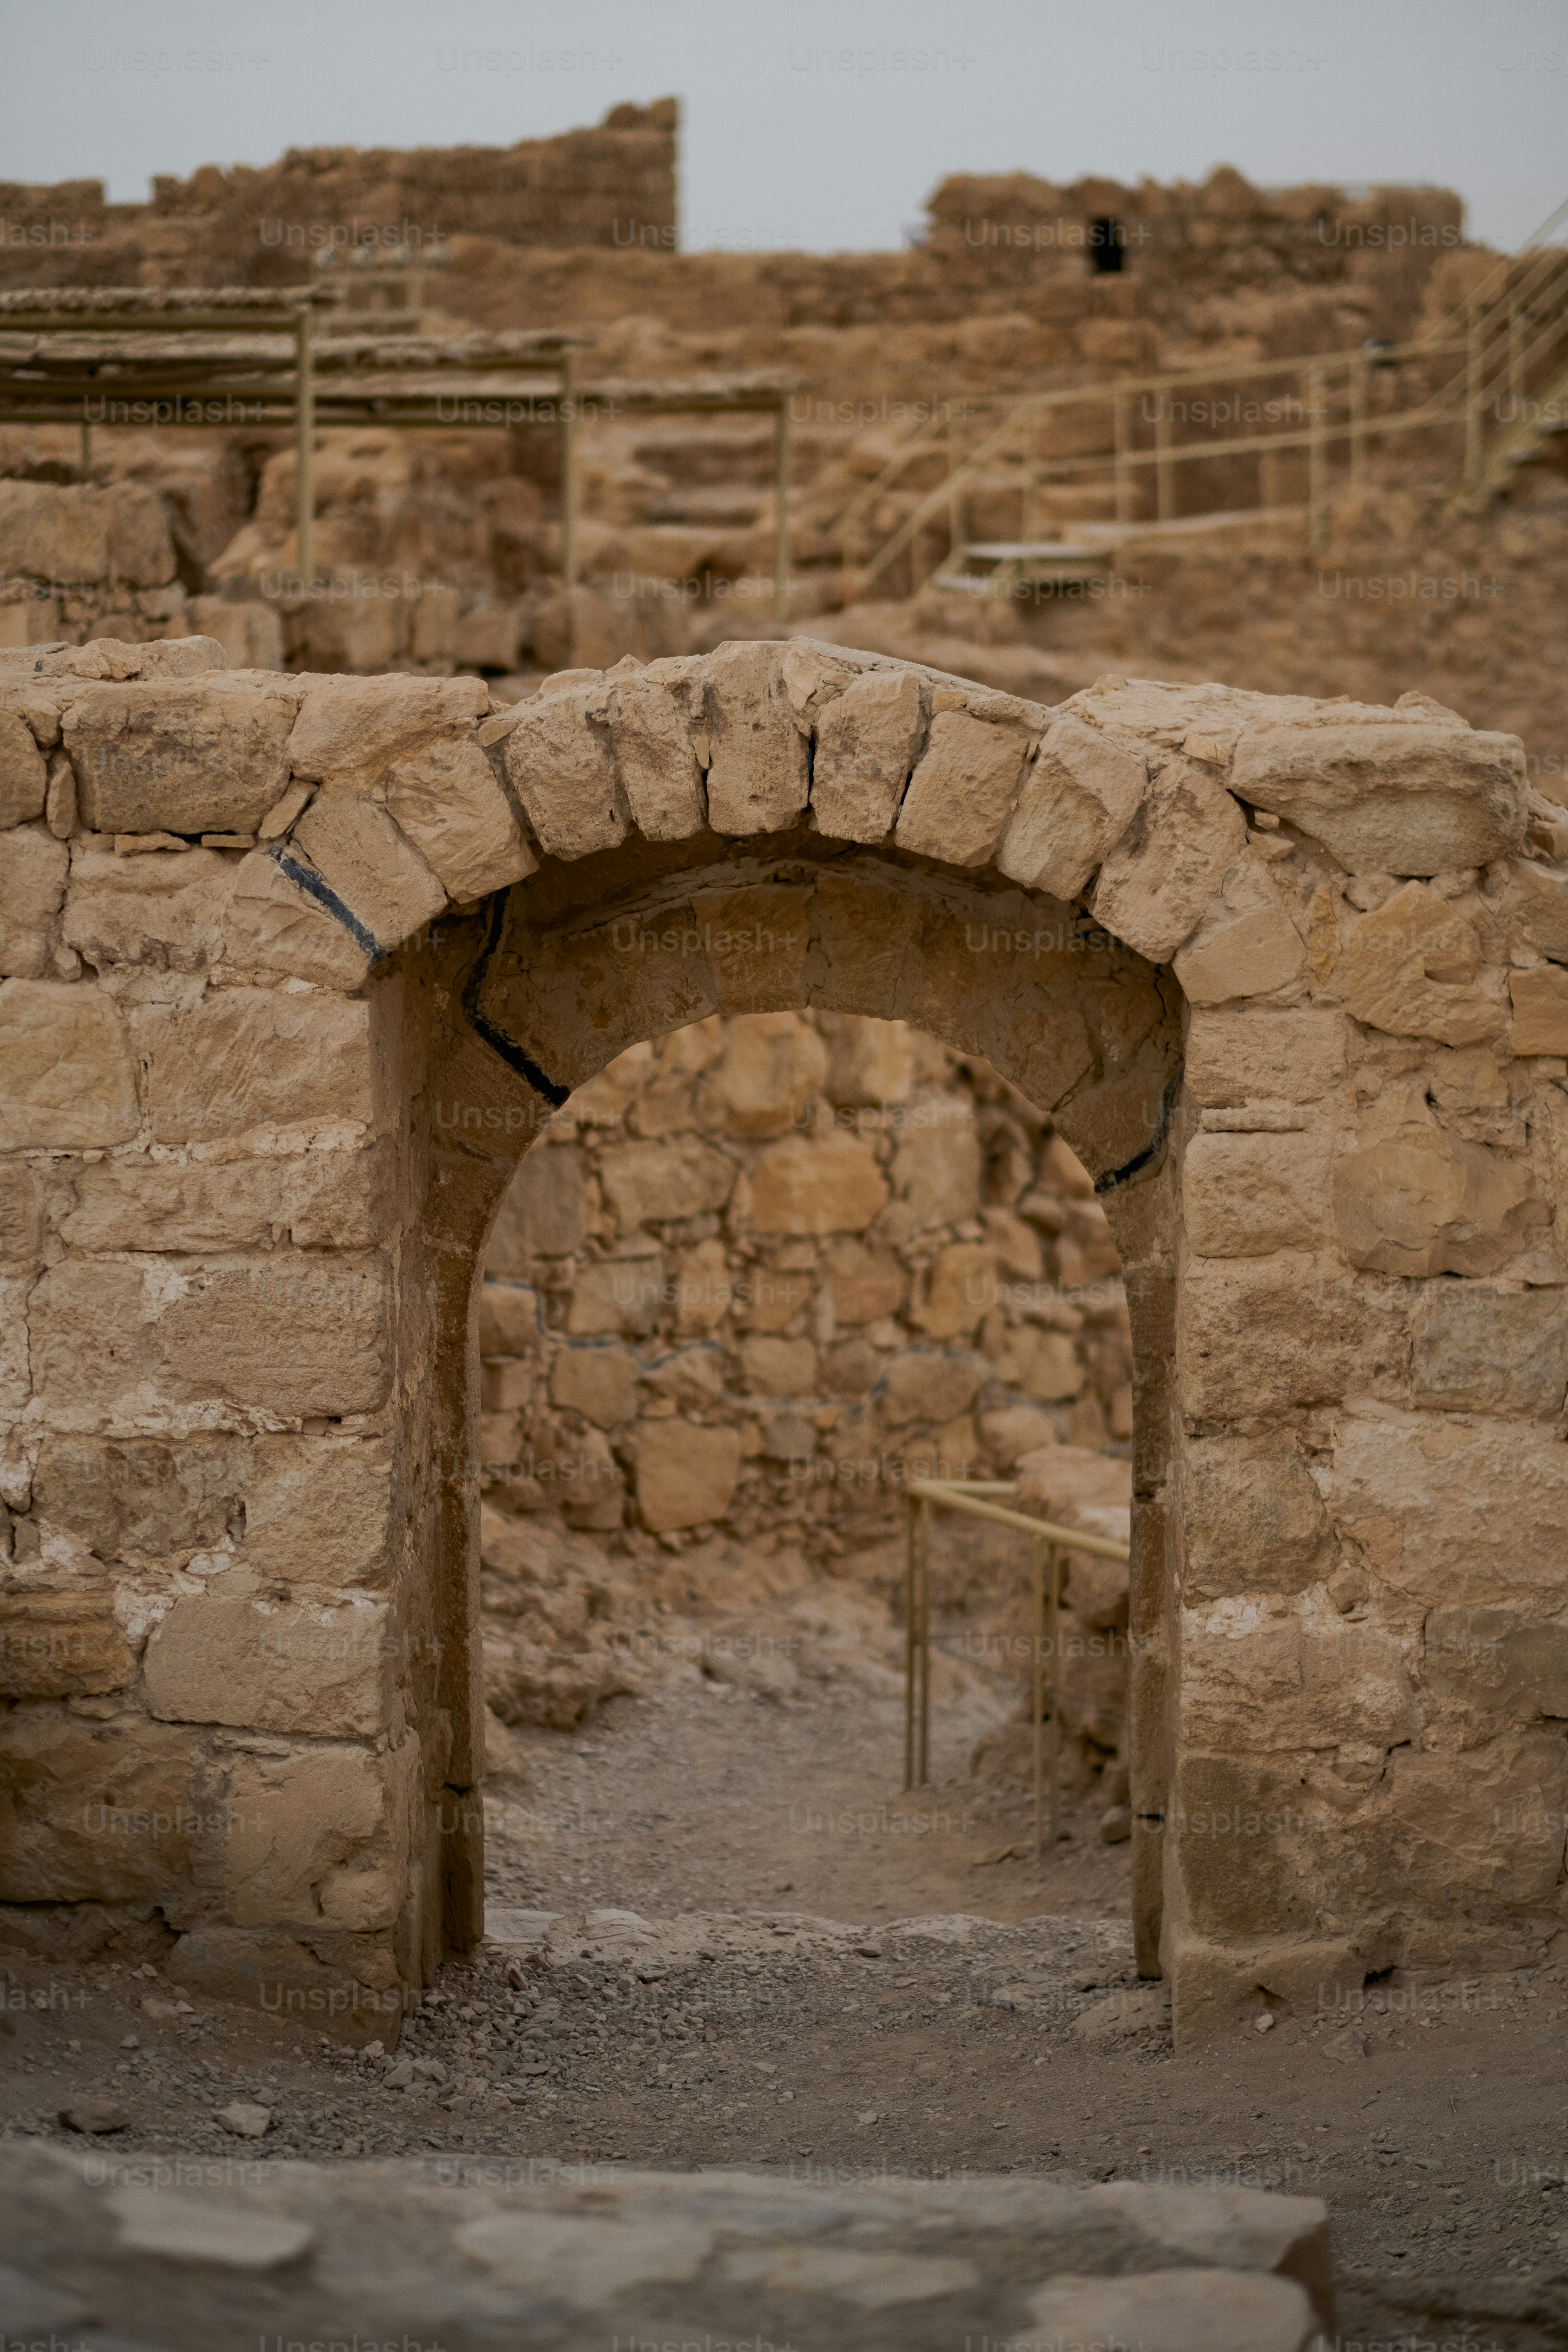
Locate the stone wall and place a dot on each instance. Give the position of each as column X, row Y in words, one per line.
column 298, row 967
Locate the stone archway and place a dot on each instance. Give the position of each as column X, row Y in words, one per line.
column 1283, row 971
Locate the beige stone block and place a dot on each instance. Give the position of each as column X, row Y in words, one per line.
column 1484, row 1350
column 21, row 1214
column 141, row 1499
column 1261, row 1057
column 1170, row 862
column 601, row 1383
column 33, row 866
column 1247, row 1195
column 960, row 1291
column 864, row 1283
column 925, row 1384
column 1407, row 967
column 323, row 1510
column 772, row 1297
column 1316, row 1337
column 1539, row 904
column 1462, row 1825
column 870, row 1062
column 1190, row 2309
column 1440, row 1509
column 754, row 941
column 164, row 908
column 1415, row 1201
column 272, row 926
column 97, row 1812
column 1252, row 1518
column 562, row 765
column 758, row 775
column 1540, row 1010
column 960, row 795
column 617, row 1294
column 61, row 1646
column 510, row 1320
column 49, row 531
column 544, row 1213
column 1078, row 797
column 815, row 1184
column 936, row 1162
column 1395, row 797
column 705, row 1291
column 178, row 755
column 245, row 1057
column 367, row 862
column 314, row 1667
column 446, row 799
column 1043, row 1364
column 650, row 1183
column 350, row 730
column 1510, row 1665
column 865, row 752
column 283, row 1336
column 316, row 1200
column 22, row 775
column 59, row 798
column 764, row 1083
column 319, row 1839
column 659, row 777
column 777, row 1367
column 1244, row 946
column 67, row 1081
column 686, row 1477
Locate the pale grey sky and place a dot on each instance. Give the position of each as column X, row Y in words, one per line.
column 825, row 124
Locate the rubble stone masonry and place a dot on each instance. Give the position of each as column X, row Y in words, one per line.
column 296, row 968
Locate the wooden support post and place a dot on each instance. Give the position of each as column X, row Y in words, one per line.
column 568, row 479
column 1123, row 414
column 1053, row 1641
column 1515, row 351
column 922, row 1563
column 85, row 454
column 1473, row 374
column 1316, row 459
column 305, row 449
column 910, row 1542
column 781, row 523
column 1037, row 1703
column 1164, row 470
column 1357, row 387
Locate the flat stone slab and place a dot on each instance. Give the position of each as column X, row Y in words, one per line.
column 472, row 2251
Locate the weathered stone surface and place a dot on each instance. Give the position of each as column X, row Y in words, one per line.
column 1247, row 1195
column 198, row 755
column 544, row 1213
column 961, row 1289
column 685, row 1477
column 350, row 730
column 616, row 1294
column 446, row 799
column 315, row 1198
column 23, row 775
column 757, row 781
column 1245, row 946
column 1315, row 1335
column 864, row 1283
column 320, row 1840
column 936, row 1162
column 246, row 1057
column 1539, row 1011
column 1181, row 2311
column 49, row 531
column 960, row 795
column 164, row 908
column 1415, row 1200
column 1410, row 968
column 865, row 741
column 648, row 1183
column 369, row 866
column 1402, row 797
column 57, row 1646
column 33, row 867
column 601, row 1383
column 314, row 1667
column 821, row 1184
column 1171, row 861
column 657, row 763
column 562, row 765
column 923, row 1384
column 763, row 1081
column 1541, row 905
column 1237, row 1057
column 97, row 1812
column 1483, row 1350
column 1252, row 1518
column 67, row 1081
column 778, row 1367
column 1078, row 797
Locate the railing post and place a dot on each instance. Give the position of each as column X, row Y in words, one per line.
column 1317, row 455
column 1053, row 1638
column 910, row 1509
column 305, row 449
column 1358, row 427
column 1515, row 351
column 1164, row 470
column 1473, row 373
column 1037, row 1693
column 1123, row 471
column 780, row 528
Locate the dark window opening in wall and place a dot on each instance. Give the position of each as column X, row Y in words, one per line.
column 1107, row 245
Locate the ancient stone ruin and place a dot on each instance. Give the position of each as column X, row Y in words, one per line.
column 298, row 967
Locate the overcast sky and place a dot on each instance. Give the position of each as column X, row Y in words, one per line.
column 823, row 124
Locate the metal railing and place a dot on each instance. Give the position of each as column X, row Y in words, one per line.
column 975, row 1496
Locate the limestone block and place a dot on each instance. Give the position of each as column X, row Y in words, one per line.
column 817, row 1184
column 1540, row 1010
column 67, row 1081
column 1396, row 797
column 177, row 755
column 863, row 1283
column 936, row 1162
column 1260, row 1674
column 704, row 1292
column 141, row 551
column 320, row 1840
column 141, row 1499
column 758, row 776
column 1408, row 968
column 33, row 867
column 1170, row 862
column 1461, row 1833
column 754, row 941
column 16, row 1368
column 544, row 1213
column 871, row 1062
column 1315, row 1337
column 650, row 1183
column 97, row 1812
column 1539, row 911
column 368, row 865
column 1439, row 1510
column 1506, row 1664
column 1247, row 1195
column 1415, row 1201
column 23, row 778
column 616, row 1294
column 1181, row 2310
column 659, row 776
column 320, row 1667
column 777, row 1367
column 1484, row 1350
column 349, row 730
column 562, row 765
column 281, row 1336
column 245, row 1057
column 960, row 795
column 1043, row 1364
column 510, row 1320
column 61, row 1645
column 21, row 1214
column 1078, row 797
column 686, row 1477
column 110, row 658
column 762, row 1083
column 446, row 799
column 1246, row 945
column 51, row 533
column 601, row 1383
column 865, row 741
column 927, row 1385
column 1252, row 1518
column 165, row 908
column 960, row 1291
column 315, row 1198
column 272, row 926
column 1258, row 1056
column 692, row 1378
column 323, row 1510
